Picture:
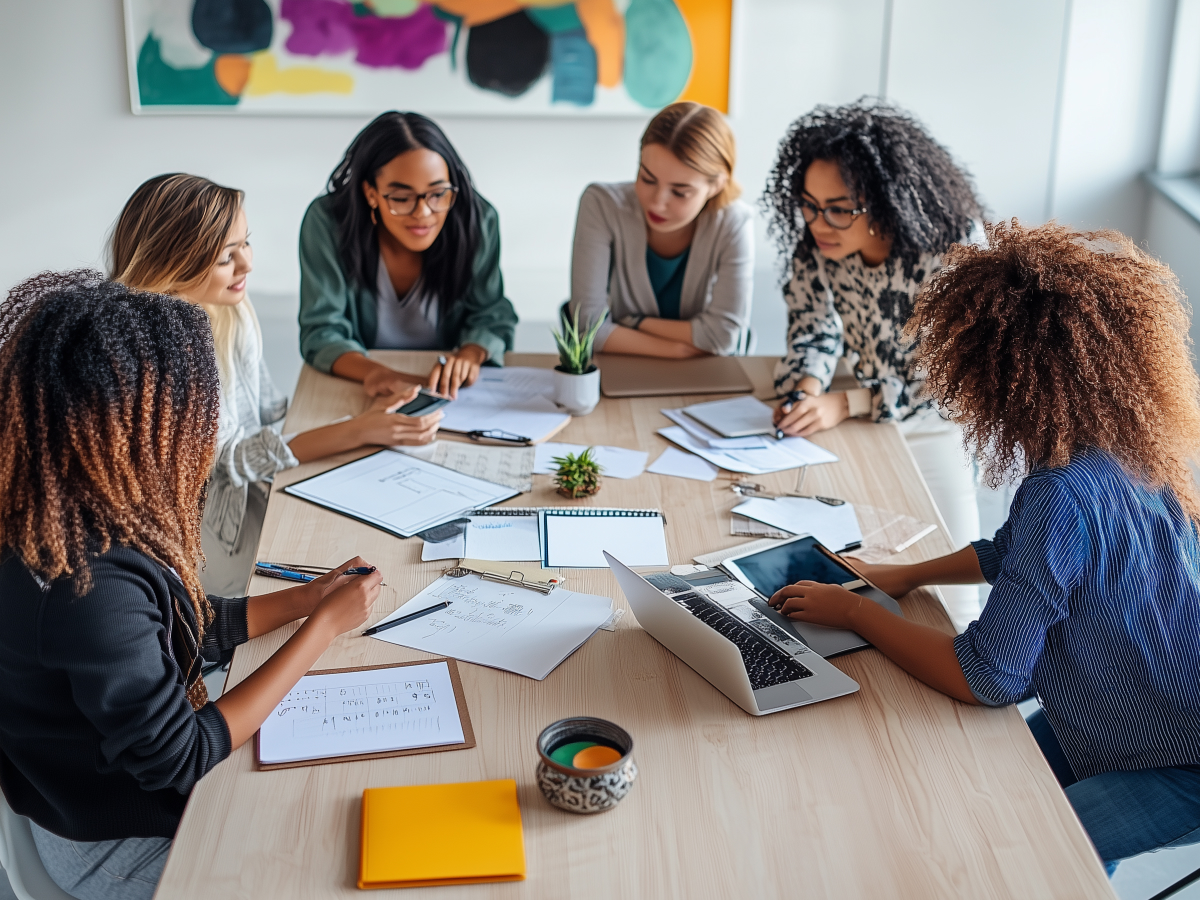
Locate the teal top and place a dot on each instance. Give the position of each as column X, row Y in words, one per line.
column 666, row 277
column 338, row 315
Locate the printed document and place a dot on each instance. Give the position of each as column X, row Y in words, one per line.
column 370, row 711
column 499, row 625
column 834, row 526
column 515, row 400
column 790, row 453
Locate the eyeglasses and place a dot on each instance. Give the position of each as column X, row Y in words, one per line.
column 406, row 204
column 837, row 216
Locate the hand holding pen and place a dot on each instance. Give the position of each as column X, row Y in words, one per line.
column 789, row 401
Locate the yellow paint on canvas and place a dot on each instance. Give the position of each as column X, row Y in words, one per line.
column 267, row 78
column 710, row 23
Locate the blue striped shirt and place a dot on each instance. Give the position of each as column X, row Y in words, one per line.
column 1096, row 609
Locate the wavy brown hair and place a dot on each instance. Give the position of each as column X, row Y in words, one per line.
column 1048, row 342
column 109, row 400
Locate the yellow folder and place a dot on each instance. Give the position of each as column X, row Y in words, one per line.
column 434, row 834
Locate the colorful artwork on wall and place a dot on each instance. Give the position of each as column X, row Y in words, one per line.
column 438, row 56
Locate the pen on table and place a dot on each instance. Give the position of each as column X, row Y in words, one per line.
column 792, row 397
column 270, row 571
column 400, row 621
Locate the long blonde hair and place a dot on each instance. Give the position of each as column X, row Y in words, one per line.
column 701, row 138
column 168, row 237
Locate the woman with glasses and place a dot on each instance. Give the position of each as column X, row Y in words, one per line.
column 865, row 202
column 668, row 257
column 402, row 253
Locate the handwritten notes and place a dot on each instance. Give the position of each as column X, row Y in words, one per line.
column 498, row 625
column 367, row 711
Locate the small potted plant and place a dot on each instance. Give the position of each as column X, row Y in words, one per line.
column 576, row 378
column 578, row 475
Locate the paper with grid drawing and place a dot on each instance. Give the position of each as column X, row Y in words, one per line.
column 366, row 711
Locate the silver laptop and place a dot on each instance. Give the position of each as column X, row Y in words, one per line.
column 644, row 376
column 804, row 558
column 712, row 628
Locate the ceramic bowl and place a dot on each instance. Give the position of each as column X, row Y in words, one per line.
column 585, row 790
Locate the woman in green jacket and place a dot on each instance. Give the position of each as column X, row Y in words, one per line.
column 402, row 253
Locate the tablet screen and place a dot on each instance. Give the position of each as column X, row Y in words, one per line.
column 788, row 563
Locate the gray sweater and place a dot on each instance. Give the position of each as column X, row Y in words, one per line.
column 608, row 269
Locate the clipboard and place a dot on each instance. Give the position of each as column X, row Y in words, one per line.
column 459, row 700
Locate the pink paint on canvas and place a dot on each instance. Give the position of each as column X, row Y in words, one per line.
column 322, row 27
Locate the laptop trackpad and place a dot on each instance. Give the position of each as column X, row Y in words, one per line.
column 779, row 695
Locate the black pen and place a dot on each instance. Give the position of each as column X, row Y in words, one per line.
column 792, row 397
column 359, row 570
column 400, row 621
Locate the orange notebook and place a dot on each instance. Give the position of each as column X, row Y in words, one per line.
column 433, row 834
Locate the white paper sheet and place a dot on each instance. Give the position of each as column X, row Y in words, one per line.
column 710, row 438
column 371, row 711
column 507, row 538
column 516, row 400
column 734, row 416
column 683, row 465
column 510, row 466
column 399, row 493
column 834, row 526
column 498, row 625
column 455, row 548
column 615, row 462
column 579, row 541
column 790, row 453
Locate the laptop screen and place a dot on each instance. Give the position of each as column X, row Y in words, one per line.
column 795, row 561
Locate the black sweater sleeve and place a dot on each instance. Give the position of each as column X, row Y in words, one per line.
column 228, row 629
column 113, row 645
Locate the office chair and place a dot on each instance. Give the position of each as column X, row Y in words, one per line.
column 20, row 861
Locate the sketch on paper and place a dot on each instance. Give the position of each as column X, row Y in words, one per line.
column 434, row 56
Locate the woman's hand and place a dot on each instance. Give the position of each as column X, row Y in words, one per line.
column 812, row 413
column 821, row 604
column 381, row 381
column 348, row 601
column 893, row 580
column 381, row 425
column 461, row 368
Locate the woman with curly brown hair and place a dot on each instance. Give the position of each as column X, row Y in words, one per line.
column 109, row 398
column 864, row 203
column 1066, row 355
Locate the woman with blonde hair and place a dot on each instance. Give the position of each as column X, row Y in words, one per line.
column 186, row 236
column 668, row 257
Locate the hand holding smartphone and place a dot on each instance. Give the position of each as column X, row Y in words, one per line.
column 424, row 403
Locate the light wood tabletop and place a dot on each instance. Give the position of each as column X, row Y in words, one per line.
column 894, row 791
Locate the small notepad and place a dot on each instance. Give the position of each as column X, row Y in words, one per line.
column 435, row 834
column 577, row 538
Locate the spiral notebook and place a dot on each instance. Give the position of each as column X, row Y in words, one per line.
column 577, row 538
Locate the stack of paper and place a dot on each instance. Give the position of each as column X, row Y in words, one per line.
column 834, row 526
column 615, row 462
column 499, row 625
column 514, row 400
column 773, row 456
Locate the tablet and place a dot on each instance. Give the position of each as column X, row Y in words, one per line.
column 803, row 558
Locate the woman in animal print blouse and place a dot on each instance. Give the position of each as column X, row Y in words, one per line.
column 865, row 202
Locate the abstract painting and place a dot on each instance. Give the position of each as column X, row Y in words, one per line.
column 587, row 57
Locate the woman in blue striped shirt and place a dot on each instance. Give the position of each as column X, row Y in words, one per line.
column 1065, row 356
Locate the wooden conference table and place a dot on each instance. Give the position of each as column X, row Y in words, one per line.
column 895, row 791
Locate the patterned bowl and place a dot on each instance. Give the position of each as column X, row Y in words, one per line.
column 585, row 790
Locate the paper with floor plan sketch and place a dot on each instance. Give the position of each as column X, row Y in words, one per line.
column 510, row 466
column 499, row 625
column 790, row 453
column 399, row 493
column 513, row 399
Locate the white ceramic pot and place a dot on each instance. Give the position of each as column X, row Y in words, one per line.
column 577, row 394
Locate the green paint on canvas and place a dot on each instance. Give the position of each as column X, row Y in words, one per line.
column 161, row 85
column 658, row 52
column 555, row 19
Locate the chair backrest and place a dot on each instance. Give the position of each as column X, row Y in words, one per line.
column 19, row 857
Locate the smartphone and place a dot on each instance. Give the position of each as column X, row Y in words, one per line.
column 424, row 403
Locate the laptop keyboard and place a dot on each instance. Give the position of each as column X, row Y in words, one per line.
column 765, row 663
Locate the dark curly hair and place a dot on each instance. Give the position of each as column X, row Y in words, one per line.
column 109, row 400
column 913, row 190
column 1049, row 342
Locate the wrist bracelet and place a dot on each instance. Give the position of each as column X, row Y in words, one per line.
column 637, row 322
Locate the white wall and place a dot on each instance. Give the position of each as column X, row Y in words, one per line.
column 985, row 76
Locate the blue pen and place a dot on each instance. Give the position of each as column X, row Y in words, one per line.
column 271, row 571
column 792, row 397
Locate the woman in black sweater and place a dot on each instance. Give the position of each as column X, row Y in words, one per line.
column 109, row 398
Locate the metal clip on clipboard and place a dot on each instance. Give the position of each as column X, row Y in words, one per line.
column 514, row 578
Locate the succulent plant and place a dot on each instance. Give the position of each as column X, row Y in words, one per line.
column 578, row 475
column 575, row 344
